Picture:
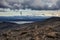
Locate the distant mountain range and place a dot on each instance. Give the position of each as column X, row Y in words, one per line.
column 22, row 18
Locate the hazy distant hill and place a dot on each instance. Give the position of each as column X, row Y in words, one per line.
column 22, row 18
column 46, row 30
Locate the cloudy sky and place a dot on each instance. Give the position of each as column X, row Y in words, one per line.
column 31, row 4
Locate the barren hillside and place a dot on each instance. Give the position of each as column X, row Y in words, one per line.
column 46, row 30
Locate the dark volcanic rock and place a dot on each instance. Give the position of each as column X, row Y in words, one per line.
column 46, row 30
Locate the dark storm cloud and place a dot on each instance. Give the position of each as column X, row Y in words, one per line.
column 31, row 4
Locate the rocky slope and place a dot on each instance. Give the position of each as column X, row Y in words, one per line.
column 46, row 30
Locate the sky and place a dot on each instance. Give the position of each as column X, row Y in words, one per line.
column 31, row 13
column 31, row 4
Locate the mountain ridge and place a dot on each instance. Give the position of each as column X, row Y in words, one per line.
column 46, row 30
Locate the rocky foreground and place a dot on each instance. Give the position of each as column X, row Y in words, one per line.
column 46, row 30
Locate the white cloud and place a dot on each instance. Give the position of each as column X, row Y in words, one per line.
column 30, row 4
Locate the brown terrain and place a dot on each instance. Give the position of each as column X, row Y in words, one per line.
column 46, row 30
